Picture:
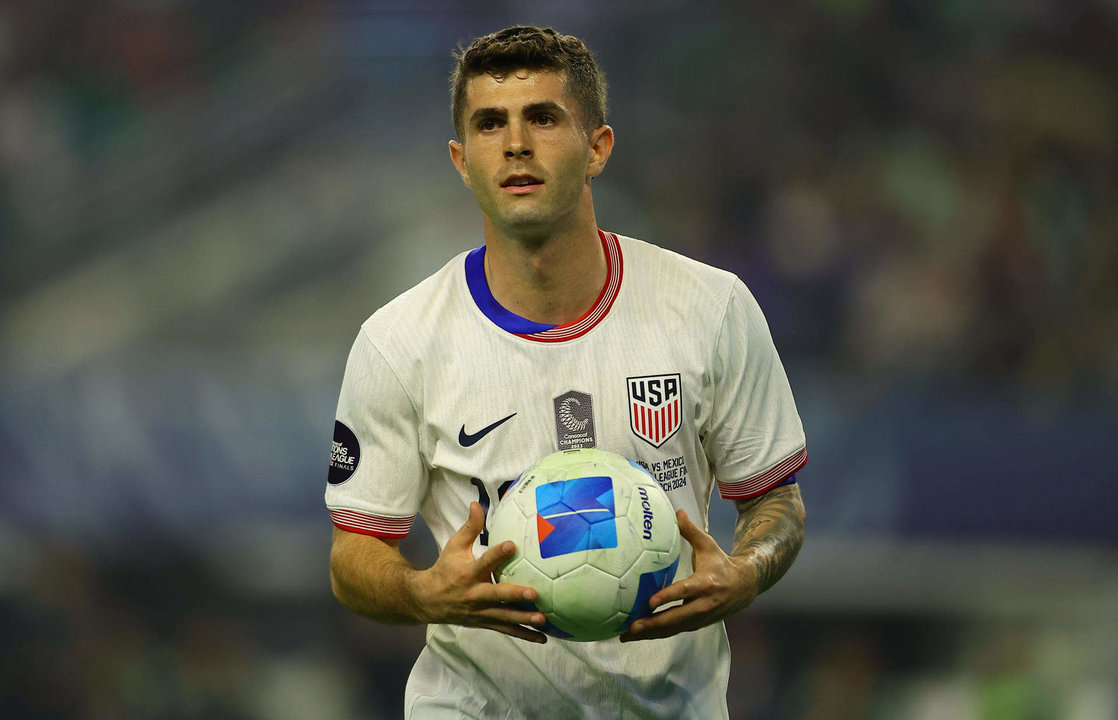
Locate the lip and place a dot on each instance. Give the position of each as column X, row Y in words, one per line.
column 533, row 184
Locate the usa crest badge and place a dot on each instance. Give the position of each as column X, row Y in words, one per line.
column 655, row 407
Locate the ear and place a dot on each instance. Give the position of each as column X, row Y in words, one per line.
column 601, row 145
column 458, row 157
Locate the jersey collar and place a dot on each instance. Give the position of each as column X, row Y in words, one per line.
column 542, row 332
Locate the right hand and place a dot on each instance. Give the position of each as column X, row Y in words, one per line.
column 459, row 589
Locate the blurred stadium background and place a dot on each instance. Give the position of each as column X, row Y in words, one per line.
column 200, row 201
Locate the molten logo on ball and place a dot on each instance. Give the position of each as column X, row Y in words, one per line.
column 646, row 508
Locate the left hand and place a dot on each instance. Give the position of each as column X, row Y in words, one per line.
column 720, row 585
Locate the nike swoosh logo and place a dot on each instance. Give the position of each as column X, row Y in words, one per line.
column 466, row 440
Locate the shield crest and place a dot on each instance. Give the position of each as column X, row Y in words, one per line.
column 655, row 407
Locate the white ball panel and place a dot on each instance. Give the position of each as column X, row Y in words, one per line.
column 585, row 603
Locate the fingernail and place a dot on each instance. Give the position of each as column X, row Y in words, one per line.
column 537, row 619
column 529, row 595
column 506, row 547
column 636, row 627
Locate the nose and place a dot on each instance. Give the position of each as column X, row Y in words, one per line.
column 518, row 142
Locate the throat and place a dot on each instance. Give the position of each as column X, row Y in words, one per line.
column 550, row 285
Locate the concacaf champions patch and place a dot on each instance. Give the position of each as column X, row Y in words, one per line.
column 655, row 407
column 345, row 453
column 574, row 420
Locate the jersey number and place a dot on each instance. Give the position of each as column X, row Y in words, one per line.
column 483, row 500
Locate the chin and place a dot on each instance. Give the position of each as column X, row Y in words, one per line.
column 528, row 223
column 532, row 224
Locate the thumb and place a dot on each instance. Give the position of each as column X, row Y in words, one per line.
column 469, row 531
column 691, row 532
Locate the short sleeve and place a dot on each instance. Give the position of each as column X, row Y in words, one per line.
column 376, row 479
column 753, row 437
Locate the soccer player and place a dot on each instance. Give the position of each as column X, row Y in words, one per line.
column 557, row 334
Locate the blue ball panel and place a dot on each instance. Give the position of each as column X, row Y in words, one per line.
column 650, row 584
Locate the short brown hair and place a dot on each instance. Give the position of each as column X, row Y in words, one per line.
column 532, row 48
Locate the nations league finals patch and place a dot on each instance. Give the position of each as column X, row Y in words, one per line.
column 344, row 454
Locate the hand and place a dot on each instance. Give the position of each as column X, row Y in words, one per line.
column 719, row 586
column 459, row 589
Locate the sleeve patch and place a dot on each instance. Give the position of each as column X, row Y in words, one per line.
column 345, row 454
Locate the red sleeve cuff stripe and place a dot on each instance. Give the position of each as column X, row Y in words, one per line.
column 386, row 527
column 758, row 484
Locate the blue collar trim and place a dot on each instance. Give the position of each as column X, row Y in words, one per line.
column 483, row 298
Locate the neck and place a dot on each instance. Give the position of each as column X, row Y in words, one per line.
column 552, row 280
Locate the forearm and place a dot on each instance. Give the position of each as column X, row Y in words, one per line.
column 768, row 534
column 370, row 577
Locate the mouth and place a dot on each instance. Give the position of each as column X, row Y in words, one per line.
column 521, row 183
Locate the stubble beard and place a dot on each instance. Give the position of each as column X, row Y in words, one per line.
column 531, row 227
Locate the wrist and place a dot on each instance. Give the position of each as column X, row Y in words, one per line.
column 747, row 568
column 415, row 585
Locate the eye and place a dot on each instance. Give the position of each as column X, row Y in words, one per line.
column 487, row 124
column 545, row 119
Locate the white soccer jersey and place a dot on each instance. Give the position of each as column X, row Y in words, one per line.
column 448, row 397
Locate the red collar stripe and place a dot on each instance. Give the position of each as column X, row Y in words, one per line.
column 583, row 325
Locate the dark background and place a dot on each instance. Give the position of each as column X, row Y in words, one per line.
column 200, row 202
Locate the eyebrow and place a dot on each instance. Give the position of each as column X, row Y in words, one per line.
column 546, row 106
column 530, row 109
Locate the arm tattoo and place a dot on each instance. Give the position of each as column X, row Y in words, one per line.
column 770, row 531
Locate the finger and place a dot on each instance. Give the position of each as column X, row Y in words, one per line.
column 502, row 593
column 691, row 532
column 509, row 593
column 516, row 631
column 687, row 588
column 513, row 615
column 465, row 536
column 658, row 633
column 663, row 624
column 492, row 558
column 665, row 618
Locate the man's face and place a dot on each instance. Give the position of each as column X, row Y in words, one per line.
column 524, row 153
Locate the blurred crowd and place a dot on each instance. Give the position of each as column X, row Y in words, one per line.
column 200, row 201
column 912, row 187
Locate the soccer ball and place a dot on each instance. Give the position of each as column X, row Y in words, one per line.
column 595, row 536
